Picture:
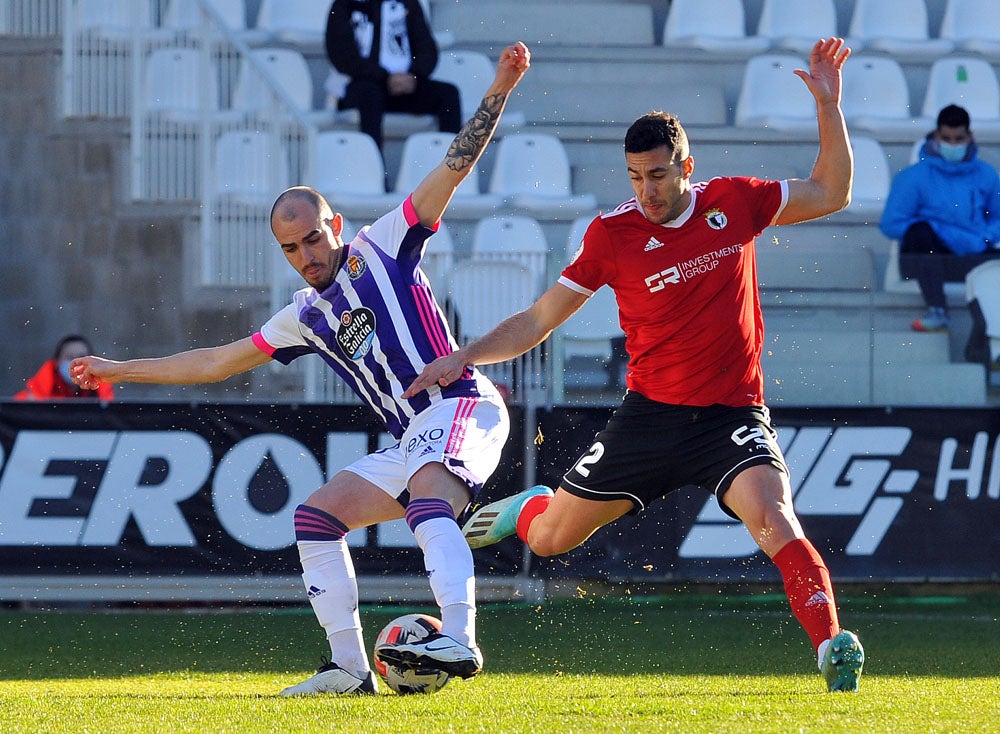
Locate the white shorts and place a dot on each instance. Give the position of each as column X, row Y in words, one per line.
column 467, row 435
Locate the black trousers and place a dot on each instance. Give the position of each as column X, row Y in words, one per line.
column 372, row 100
column 924, row 256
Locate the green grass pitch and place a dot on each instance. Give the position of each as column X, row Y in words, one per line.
column 680, row 662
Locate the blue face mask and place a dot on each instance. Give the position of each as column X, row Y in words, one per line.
column 953, row 152
column 64, row 370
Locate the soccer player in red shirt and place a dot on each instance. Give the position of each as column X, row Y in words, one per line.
column 680, row 259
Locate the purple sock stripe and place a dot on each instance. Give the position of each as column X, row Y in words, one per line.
column 314, row 524
column 421, row 510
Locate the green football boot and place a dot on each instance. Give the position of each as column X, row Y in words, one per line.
column 493, row 522
column 843, row 661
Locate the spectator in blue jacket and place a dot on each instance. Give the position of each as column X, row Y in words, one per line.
column 945, row 211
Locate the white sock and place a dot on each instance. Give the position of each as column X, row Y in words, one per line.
column 821, row 652
column 328, row 575
column 448, row 560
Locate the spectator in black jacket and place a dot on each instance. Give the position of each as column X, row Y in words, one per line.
column 387, row 50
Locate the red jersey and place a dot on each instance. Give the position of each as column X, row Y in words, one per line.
column 687, row 291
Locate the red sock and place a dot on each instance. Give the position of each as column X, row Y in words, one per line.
column 532, row 509
column 809, row 590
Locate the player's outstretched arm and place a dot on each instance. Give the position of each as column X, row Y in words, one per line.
column 431, row 197
column 828, row 188
column 510, row 338
column 212, row 364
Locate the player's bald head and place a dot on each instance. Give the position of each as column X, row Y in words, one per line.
column 286, row 206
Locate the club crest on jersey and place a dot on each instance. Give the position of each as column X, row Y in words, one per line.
column 356, row 267
column 356, row 332
column 716, row 219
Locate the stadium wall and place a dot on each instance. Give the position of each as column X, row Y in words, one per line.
column 193, row 502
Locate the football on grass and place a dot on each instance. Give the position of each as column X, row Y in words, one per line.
column 410, row 628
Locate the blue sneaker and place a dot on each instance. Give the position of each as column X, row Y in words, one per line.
column 842, row 662
column 493, row 522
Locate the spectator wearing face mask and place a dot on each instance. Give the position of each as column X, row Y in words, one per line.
column 52, row 381
column 945, row 211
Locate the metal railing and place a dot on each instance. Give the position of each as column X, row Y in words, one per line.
column 176, row 87
column 30, row 17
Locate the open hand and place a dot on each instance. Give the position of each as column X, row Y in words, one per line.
column 825, row 64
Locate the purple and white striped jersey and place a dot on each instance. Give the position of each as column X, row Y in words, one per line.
column 377, row 325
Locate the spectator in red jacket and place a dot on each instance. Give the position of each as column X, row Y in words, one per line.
column 52, row 381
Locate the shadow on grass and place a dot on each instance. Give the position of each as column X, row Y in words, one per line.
column 683, row 635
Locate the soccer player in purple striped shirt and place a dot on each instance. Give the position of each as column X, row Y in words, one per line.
column 369, row 313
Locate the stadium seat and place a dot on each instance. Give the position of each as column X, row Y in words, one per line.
column 872, row 177
column 896, row 27
column 532, row 172
column 287, row 68
column 771, row 95
column 472, row 72
column 586, row 341
column 247, row 169
column 350, row 172
column 788, row 29
column 973, row 26
column 112, row 20
column 595, row 23
column 514, row 238
column 301, row 23
column 444, row 39
column 718, row 26
column 484, row 292
column 577, row 228
column 175, row 88
column 876, row 97
column 967, row 81
column 186, row 15
column 982, row 284
column 439, row 259
column 424, row 151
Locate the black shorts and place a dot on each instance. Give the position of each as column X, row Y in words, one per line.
column 649, row 449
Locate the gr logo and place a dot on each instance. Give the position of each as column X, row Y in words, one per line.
column 847, row 472
column 658, row 281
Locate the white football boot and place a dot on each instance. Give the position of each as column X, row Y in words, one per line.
column 436, row 651
column 331, row 678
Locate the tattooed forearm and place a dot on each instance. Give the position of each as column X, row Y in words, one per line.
column 473, row 137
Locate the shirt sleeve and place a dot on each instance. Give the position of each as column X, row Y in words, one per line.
column 592, row 266
column 280, row 338
column 765, row 200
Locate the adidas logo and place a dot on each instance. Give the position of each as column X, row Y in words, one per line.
column 427, row 450
column 652, row 244
column 315, row 591
column 817, row 599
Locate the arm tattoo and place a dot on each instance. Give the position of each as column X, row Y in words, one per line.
column 473, row 137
